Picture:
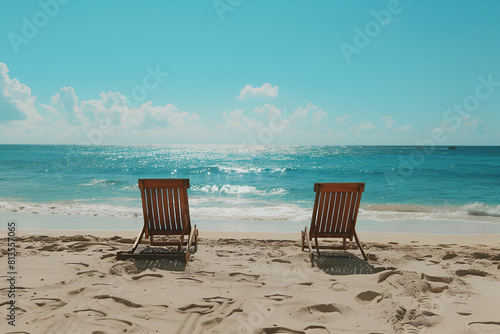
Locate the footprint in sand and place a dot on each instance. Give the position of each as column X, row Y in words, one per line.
column 306, row 283
column 324, row 308
column 339, row 287
column 464, row 309
column 91, row 312
column 440, row 279
column 281, row 261
column 480, row 255
column 196, row 308
column 76, row 292
column 52, row 248
column 316, row 329
column 412, row 329
column 135, row 278
column 51, row 303
column 245, row 277
column 278, row 297
column 279, row 330
column 91, row 273
column 485, row 326
column 386, row 274
column 78, row 264
column 119, row 300
column 219, row 300
column 367, row 297
column 449, row 256
column 473, row 272
column 189, row 279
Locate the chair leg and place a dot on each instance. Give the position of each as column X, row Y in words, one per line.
column 192, row 236
column 302, row 234
column 359, row 245
column 306, row 237
column 316, row 243
column 344, row 245
column 196, row 239
column 138, row 239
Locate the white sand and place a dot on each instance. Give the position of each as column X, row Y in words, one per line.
column 255, row 283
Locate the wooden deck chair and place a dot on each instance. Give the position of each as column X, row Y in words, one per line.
column 166, row 213
column 334, row 214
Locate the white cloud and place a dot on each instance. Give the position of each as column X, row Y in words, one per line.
column 364, row 126
column 303, row 112
column 16, row 101
column 343, row 119
column 389, row 121
column 237, row 123
column 266, row 90
column 270, row 110
column 404, row 128
column 319, row 115
column 477, row 125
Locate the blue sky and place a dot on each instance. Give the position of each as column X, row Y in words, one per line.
column 250, row 72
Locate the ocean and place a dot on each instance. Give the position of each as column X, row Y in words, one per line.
column 258, row 186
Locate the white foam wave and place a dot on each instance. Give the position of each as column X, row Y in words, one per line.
column 200, row 208
column 479, row 212
column 248, row 208
column 481, row 209
column 238, row 190
column 71, row 208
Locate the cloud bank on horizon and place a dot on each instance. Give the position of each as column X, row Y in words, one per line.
column 109, row 119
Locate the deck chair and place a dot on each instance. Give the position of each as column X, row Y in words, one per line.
column 165, row 210
column 334, row 214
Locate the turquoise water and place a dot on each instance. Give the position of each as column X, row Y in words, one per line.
column 269, row 183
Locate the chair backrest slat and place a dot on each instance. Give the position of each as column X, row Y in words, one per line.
column 331, row 206
column 178, row 223
column 154, row 205
column 336, row 208
column 171, row 209
column 161, row 220
column 335, row 223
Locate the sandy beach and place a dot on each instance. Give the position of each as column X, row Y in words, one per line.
column 240, row 282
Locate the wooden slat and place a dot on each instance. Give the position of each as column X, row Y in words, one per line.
column 150, row 210
column 345, row 217
column 178, row 222
column 340, row 219
column 162, row 183
column 165, row 208
column 154, row 202
column 161, row 219
column 321, row 220
column 339, row 187
column 335, row 222
column 184, row 211
column 330, row 217
column 171, row 208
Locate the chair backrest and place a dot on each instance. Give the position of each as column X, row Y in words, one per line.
column 165, row 206
column 336, row 209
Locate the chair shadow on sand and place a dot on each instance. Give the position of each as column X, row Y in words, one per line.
column 343, row 263
column 162, row 258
